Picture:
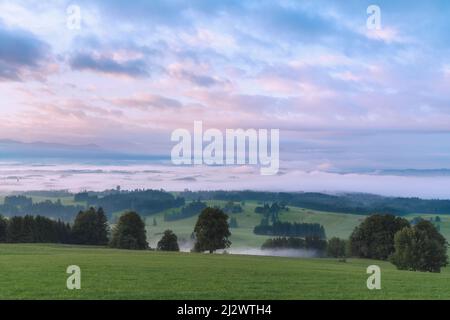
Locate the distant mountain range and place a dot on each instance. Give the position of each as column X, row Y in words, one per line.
column 12, row 149
column 415, row 172
column 399, row 172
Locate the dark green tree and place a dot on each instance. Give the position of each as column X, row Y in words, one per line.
column 90, row 227
column 169, row 242
column 15, row 230
column 28, row 229
column 63, row 232
column 129, row 233
column 211, row 231
column 420, row 248
column 374, row 237
column 3, row 229
column 336, row 248
column 45, row 230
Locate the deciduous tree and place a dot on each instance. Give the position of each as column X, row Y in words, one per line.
column 212, row 231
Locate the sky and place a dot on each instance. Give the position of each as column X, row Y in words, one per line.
column 344, row 97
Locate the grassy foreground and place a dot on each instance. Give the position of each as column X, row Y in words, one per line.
column 39, row 272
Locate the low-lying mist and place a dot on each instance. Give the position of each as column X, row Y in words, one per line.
column 292, row 253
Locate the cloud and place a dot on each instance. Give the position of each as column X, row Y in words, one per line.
column 200, row 80
column 134, row 68
column 309, row 68
column 146, row 101
column 173, row 13
column 197, row 74
column 20, row 53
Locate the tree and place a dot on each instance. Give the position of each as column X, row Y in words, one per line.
column 336, row 248
column 374, row 237
column 15, row 230
column 169, row 242
column 91, row 227
column 420, row 248
column 316, row 243
column 28, row 229
column 154, row 222
column 3, row 229
column 211, row 231
column 63, row 232
column 129, row 233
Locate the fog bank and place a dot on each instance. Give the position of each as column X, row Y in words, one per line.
column 98, row 177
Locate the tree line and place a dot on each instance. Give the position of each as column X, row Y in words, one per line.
column 271, row 213
column 274, row 208
column 189, row 210
column 232, row 208
column 344, row 203
column 22, row 206
column 289, row 229
column 308, row 243
column 144, row 201
column 91, row 227
column 30, row 229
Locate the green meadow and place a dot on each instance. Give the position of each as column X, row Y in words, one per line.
column 39, row 272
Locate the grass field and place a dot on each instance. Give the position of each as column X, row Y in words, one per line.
column 38, row 272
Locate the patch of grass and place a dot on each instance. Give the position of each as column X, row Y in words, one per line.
column 38, row 272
